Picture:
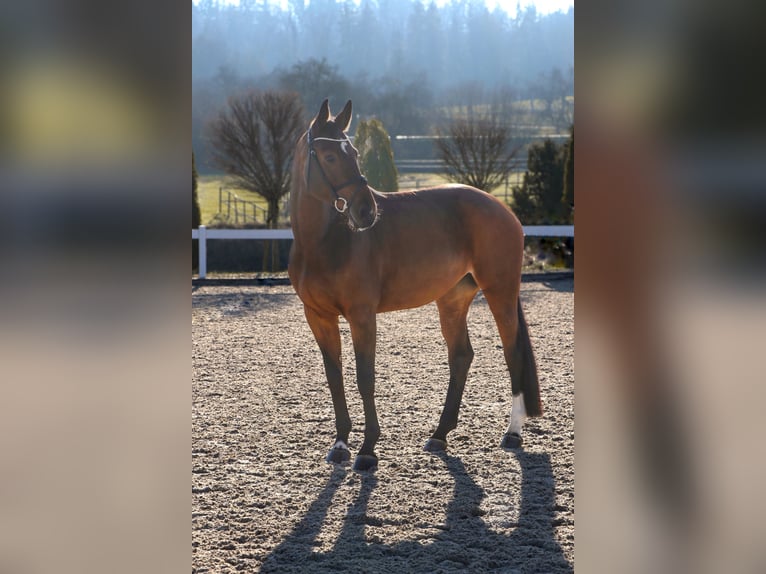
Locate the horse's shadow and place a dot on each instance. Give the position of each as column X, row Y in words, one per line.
column 466, row 543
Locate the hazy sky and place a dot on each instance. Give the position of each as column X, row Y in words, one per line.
column 543, row 6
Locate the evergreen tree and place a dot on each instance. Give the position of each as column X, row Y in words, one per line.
column 538, row 201
column 376, row 158
column 568, row 196
column 196, row 213
column 567, row 246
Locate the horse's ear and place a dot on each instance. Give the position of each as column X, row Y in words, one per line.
column 324, row 113
column 343, row 119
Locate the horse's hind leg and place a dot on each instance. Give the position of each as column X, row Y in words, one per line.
column 505, row 305
column 453, row 309
column 327, row 335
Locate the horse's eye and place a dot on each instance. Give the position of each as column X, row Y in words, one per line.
column 330, row 158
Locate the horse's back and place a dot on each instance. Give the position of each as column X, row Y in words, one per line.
column 462, row 215
column 464, row 199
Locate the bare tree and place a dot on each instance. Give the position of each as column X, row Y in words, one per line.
column 253, row 141
column 477, row 151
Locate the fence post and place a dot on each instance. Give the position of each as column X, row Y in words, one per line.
column 202, row 251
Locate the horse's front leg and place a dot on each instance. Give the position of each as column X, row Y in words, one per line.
column 327, row 335
column 363, row 334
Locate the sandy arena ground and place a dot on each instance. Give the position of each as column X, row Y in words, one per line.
column 264, row 500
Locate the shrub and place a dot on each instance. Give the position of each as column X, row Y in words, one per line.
column 376, row 159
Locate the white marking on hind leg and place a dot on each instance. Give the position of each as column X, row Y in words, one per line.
column 518, row 415
column 340, row 444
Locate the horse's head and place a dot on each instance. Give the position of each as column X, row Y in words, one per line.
column 332, row 169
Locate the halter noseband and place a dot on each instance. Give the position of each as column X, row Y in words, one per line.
column 344, row 203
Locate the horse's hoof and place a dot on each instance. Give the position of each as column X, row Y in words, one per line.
column 511, row 440
column 435, row 445
column 338, row 455
column 365, row 462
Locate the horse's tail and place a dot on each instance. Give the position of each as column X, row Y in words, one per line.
column 525, row 366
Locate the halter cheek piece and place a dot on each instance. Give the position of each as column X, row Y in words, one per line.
column 341, row 203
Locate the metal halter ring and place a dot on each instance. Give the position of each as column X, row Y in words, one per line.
column 344, row 207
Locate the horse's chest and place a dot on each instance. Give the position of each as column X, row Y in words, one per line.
column 319, row 296
column 315, row 287
column 328, row 280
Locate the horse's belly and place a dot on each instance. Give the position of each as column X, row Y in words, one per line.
column 419, row 285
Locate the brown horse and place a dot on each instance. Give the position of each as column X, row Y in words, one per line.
column 358, row 252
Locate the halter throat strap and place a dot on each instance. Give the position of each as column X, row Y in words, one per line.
column 340, row 203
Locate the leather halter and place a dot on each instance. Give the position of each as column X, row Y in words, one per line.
column 344, row 203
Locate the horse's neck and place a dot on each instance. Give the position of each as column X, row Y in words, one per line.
column 311, row 218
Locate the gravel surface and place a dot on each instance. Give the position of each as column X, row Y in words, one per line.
column 264, row 500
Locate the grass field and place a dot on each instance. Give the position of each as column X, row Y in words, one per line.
column 209, row 185
column 208, row 193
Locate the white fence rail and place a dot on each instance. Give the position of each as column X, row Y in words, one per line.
column 203, row 234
